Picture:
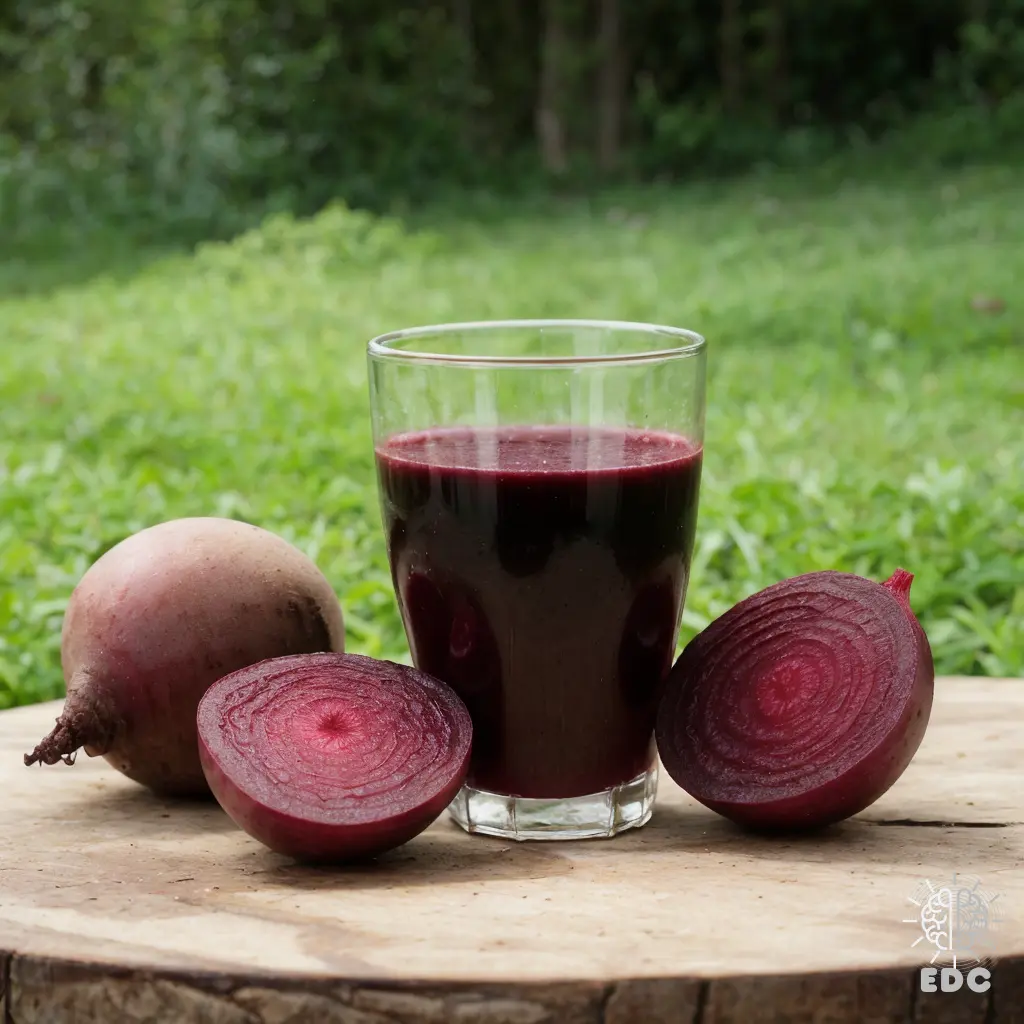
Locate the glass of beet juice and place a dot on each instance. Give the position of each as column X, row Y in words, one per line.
column 538, row 484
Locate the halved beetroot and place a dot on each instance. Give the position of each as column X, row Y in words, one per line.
column 333, row 757
column 801, row 705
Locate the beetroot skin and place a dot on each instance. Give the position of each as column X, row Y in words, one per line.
column 333, row 757
column 801, row 705
column 160, row 617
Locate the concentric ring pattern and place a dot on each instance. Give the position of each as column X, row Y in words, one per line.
column 791, row 687
column 346, row 738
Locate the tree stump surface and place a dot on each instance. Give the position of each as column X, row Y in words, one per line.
column 118, row 906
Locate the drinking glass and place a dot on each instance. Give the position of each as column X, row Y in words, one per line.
column 538, row 484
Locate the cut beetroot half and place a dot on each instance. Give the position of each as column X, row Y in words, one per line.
column 333, row 757
column 801, row 705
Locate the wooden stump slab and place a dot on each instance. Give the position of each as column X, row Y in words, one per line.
column 117, row 906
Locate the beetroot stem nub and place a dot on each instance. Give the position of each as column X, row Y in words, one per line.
column 899, row 585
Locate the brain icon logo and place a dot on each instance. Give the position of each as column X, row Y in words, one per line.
column 937, row 919
column 955, row 918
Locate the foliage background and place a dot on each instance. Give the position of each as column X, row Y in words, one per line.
column 206, row 208
column 200, row 114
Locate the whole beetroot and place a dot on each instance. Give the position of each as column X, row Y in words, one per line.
column 161, row 616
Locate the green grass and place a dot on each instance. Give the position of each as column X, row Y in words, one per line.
column 862, row 415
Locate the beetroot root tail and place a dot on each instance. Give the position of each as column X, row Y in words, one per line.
column 59, row 745
column 81, row 724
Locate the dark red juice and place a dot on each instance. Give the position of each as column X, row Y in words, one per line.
column 541, row 572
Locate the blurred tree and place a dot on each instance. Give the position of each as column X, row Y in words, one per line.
column 777, row 85
column 551, row 92
column 731, row 55
column 199, row 111
column 611, row 84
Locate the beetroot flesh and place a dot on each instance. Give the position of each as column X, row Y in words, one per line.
column 802, row 704
column 161, row 616
column 333, row 757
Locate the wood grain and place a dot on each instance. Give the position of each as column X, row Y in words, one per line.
column 118, row 906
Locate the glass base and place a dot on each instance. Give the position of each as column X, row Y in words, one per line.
column 594, row 816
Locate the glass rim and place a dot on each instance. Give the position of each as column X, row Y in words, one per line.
column 689, row 343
